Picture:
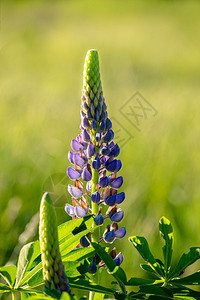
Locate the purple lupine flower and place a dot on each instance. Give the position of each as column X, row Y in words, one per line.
column 86, row 175
column 86, row 136
column 74, row 191
column 96, row 164
column 76, row 146
column 103, row 182
column 111, row 166
column 117, row 216
column 120, row 197
column 120, row 233
column 80, row 212
column 69, row 210
column 84, row 241
column 96, row 197
column 118, row 259
column 99, row 219
column 109, row 237
column 71, row 157
column 111, row 200
column 90, row 150
column 78, row 160
column 73, row 174
column 117, row 183
column 92, row 267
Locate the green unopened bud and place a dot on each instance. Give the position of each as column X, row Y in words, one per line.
column 49, row 246
column 92, row 89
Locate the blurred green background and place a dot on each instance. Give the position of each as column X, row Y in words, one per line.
column 148, row 46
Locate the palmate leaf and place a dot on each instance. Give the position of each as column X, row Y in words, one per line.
column 166, row 231
column 9, row 274
column 193, row 279
column 186, row 260
column 29, row 269
column 26, row 257
column 141, row 244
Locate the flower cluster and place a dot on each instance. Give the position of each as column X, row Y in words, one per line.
column 53, row 268
column 94, row 156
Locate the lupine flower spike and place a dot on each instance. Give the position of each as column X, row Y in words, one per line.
column 53, row 268
column 94, row 157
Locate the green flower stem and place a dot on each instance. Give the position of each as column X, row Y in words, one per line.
column 95, row 209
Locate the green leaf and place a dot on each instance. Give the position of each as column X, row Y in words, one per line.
column 141, row 244
column 166, row 231
column 71, row 268
column 79, row 254
column 193, row 279
column 183, row 292
column 38, row 296
column 186, row 260
column 9, row 273
column 4, row 288
column 32, row 274
column 154, row 297
column 117, row 272
column 99, row 296
column 134, row 281
column 36, row 279
column 26, row 257
column 72, row 227
column 147, row 268
column 89, row 286
column 69, row 244
column 155, row 290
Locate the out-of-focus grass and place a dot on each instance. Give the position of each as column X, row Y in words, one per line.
column 152, row 47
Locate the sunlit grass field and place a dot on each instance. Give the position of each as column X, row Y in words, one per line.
column 152, row 47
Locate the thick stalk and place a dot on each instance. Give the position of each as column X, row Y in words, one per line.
column 96, row 233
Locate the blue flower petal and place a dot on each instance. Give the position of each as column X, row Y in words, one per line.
column 86, row 175
column 117, row 183
column 118, row 216
column 76, row 146
column 120, row 197
column 79, row 211
column 120, row 233
column 74, row 191
column 73, row 174
column 69, row 210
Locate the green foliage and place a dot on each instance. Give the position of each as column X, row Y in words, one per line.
column 27, row 276
column 169, row 285
column 166, row 231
